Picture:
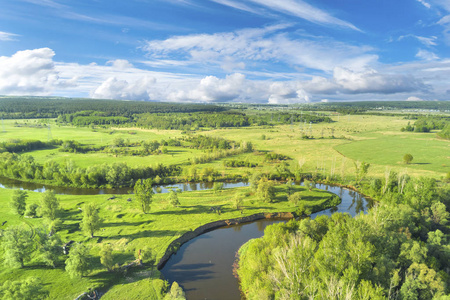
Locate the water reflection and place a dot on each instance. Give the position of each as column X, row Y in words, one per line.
column 40, row 188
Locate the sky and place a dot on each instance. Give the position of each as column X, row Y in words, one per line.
column 256, row 51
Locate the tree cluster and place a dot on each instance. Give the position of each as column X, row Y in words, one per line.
column 24, row 167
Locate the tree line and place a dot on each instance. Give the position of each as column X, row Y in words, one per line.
column 24, row 167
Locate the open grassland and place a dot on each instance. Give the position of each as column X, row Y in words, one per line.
column 373, row 139
column 126, row 228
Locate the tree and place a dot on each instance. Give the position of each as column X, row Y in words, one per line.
column 289, row 187
column 173, row 198
column 407, row 158
column 30, row 288
column 237, row 201
column 18, row 246
column 48, row 246
column 144, row 255
column 175, row 293
column 77, row 265
column 309, row 185
column 106, row 257
column 143, row 191
column 295, row 198
column 18, row 202
column 218, row 186
column 91, row 221
column 49, row 205
column 266, row 190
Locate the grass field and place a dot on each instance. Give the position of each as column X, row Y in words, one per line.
column 127, row 228
column 373, row 139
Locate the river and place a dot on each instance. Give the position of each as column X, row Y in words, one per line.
column 203, row 266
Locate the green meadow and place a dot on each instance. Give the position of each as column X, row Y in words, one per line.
column 330, row 148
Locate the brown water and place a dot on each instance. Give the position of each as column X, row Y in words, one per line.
column 203, row 266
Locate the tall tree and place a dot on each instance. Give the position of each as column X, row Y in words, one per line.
column 106, row 257
column 91, row 221
column 173, row 198
column 49, row 205
column 18, row 246
column 48, row 246
column 143, row 191
column 77, row 265
column 18, row 202
column 266, row 190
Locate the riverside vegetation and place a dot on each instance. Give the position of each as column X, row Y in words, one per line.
column 399, row 250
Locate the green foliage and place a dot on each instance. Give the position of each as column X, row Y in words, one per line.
column 295, row 198
column 17, row 245
column 175, row 293
column 49, row 205
column 173, row 198
column 48, row 247
column 373, row 256
column 77, row 265
column 27, row 289
column 266, row 190
column 18, row 202
column 106, row 257
column 310, row 185
column 31, row 211
column 217, row 186
column 91, row 221
column 143, row 192
column 144, row 254
column 237, row 201
column 407, row 158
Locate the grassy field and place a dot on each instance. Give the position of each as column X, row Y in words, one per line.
column 373, row 139
column 127, row 228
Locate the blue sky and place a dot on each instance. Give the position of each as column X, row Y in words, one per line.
column 266, row 51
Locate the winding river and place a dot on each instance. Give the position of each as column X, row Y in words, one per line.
column 8, row 183
column 203, row 266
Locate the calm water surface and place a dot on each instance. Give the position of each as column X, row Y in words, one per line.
column 203, row 266
column 7, row 183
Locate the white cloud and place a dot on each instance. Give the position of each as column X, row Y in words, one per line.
column 211, row 89
column 120, row 64
column 426, row 55
column 113, row 88
column 414, row 98
column 7, row 37
column 427, row 41
column 371, row 81
column 296, row 8
column 30, row 72
column 261, row 45
column 424, row 3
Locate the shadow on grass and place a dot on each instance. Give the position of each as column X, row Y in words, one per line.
column 114, row 224
column 144, row 233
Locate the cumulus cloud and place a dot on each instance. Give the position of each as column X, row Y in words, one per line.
column 30, row 72
column 370, row 81
column 213, row 89
column 113, row 88
column 120, row 64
